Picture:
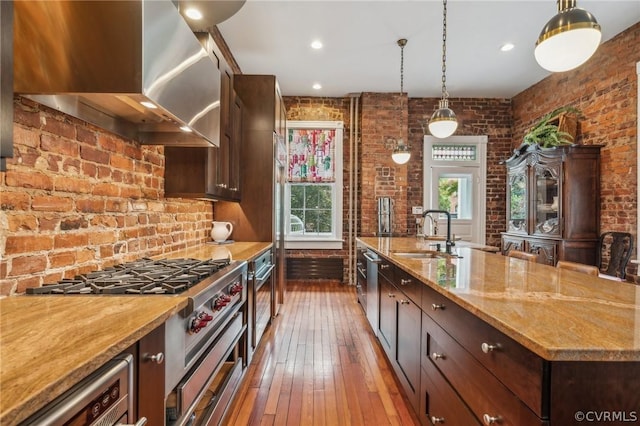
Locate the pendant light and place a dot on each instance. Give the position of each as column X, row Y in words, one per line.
column 569, row 39
column 443, row 122
column 401, row 153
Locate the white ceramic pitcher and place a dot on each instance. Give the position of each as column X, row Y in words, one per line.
column 220, row 231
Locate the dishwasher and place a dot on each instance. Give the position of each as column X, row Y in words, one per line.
column 373, row 297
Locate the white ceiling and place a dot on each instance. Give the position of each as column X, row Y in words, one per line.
column 361, row 54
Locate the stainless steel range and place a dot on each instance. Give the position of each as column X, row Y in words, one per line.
column 205, row 345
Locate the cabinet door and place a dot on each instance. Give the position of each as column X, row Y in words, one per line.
column 547, row 251
column 388, row 319
column 517, row 199
column 408, row 350
column 546, row 198
column 512, row 243
column 237, row 111
column 151, row 377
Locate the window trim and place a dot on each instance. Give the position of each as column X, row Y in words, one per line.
column 335, row 241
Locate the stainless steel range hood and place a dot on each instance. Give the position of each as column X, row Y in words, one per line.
column 98, row 60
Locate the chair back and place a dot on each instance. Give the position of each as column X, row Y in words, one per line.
column 614, row 252
column 531, row 257
column 579, row 267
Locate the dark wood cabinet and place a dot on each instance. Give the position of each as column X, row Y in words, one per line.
column 399, row 329
column 208, row 171
column 553, row 203
column 151, row 377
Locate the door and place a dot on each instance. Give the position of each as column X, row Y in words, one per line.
column 455, row 181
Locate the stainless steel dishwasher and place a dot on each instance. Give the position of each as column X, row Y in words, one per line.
column 373, row 295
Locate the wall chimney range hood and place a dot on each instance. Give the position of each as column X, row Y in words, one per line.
column 101, row 61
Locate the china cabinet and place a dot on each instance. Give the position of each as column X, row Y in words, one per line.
column 553, row 203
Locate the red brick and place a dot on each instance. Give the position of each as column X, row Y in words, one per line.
column 52, row 203
column 31, row 179
column 130, row 192
column 24, row 265
column 121, row 162
column 70, row 240
column 59, row 145
column 72, row 184
column 49, row 222
column 106, row 189
column 117, row 205
column 90, row 205
column 103, row 237
column 25, row 137
column 84, row 255
column 22, row 222
column 27, row 282
column 95, row 155
column 10, row 200
column 62, row 259
column 16, row 244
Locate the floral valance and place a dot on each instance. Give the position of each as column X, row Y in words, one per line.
column 311, row 155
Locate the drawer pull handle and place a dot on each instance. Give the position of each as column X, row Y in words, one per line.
column 404, row 302
column 384, row 266
column 405, row 282
column 491, row 420
column 436, row 306
column 486, row 348
column 391, row 295
column 436, row 356
column 435, row 419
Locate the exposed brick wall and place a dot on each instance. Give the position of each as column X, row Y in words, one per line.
column 605, row 90
column 75, row 198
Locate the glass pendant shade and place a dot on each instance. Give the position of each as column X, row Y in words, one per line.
column 568, row 40
column 443, row 122
column 401, row 153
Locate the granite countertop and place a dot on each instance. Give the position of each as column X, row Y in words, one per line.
column 49, row 343
column 558, row 314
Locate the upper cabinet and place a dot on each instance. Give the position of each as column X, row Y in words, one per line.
column 210, row 172
column 553, row 203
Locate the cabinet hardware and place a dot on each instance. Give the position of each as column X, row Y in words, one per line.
column 384, row 266
column 436, row 356
column 491, row 420
column 391, row 295
column 435, row 419
column 436, row 306
column 486, row 348
column 405, row 282
column 404, row 302
column 157, row 358
column 141, row 422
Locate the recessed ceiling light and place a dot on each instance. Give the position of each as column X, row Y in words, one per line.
column 316, row 44
column 193, row 13
column 148, row 104
column 317, row 86
column 186, row 129
column 507, row 47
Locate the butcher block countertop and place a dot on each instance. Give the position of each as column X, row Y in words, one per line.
column 558, row 314
column 49, row 343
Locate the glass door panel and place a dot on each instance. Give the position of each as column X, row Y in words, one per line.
column 547, row 202
column 517, row 202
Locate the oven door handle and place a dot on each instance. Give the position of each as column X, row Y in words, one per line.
column 265, row 275
column 371, row 259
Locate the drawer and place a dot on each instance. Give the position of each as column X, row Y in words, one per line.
column 439, row 403
column 386, row 269
column 479, row 389
column 519, row 369
column 410, row 286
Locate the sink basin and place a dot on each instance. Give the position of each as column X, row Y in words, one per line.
column 419, row 254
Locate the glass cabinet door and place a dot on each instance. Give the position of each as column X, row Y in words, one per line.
column 547, row 201
column 517, row 200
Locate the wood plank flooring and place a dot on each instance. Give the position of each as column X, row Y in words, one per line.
column 320, row 364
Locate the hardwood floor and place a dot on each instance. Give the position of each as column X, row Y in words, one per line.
column 320, row 364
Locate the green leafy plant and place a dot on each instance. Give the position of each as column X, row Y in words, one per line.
column 546, row 134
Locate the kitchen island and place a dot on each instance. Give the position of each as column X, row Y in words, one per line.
column 504, row 340
column 49, row 343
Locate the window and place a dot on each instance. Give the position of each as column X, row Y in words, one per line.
column 313, row 191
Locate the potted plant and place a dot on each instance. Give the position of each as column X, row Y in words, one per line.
column 546, row 133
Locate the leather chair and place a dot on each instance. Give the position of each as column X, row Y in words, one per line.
column 579, row 267
column 531, row 257
column 614, row 252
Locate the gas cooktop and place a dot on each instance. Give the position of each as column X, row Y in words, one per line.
column 143, row 276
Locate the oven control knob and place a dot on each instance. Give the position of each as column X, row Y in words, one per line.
column 219, row 303
column 235, row 289
column 205, row 317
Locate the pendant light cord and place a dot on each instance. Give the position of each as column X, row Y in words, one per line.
column 445, row 95
column 402, row 43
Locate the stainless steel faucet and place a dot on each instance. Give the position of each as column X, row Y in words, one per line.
column 449, row 243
